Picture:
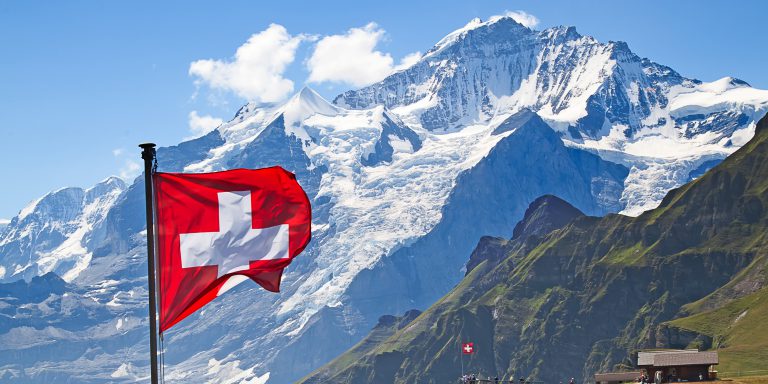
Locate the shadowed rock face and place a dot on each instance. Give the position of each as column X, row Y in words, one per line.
column 37, row 289
column 544, row 215
column 584, row 298
column 391, row 130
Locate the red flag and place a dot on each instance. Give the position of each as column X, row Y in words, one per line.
column 215, row 226
column 468, row 348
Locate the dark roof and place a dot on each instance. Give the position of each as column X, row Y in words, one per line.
column 617, row 376
column 675, row 358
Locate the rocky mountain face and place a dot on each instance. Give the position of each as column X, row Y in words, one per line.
column 586, row 297
column 405, row 177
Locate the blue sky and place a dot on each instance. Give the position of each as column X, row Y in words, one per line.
column 82, row 83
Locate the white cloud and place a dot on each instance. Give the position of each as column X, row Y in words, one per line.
column 256, row 71
column 351, row 58
column 130, row 170
column 200, row 125
column 408, row 60
column 524, row 18
column 117, row 152
column 4, row 222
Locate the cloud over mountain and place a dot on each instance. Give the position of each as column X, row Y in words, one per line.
column 200, row 125
column 256, row 72
column 352, row 58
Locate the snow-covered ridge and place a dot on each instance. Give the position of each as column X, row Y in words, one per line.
column 727, row 93
column 50, row 234
column 575, row 82
column 251, row 120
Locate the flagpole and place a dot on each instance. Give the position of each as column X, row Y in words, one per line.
column 148, row 154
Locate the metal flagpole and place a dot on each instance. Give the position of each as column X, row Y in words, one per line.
column 148, row 154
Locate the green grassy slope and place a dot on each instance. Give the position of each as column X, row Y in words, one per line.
column 738, row 330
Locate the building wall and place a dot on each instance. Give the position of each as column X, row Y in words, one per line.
column 686, row 372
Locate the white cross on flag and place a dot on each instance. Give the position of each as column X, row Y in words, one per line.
column 214, row 230
column 468, row 348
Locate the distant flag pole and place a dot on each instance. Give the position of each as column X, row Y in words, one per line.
column 148, row 154
column 466, row 349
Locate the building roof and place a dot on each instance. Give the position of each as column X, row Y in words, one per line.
column 676, row 357
column 618, row 376
column 692, row 358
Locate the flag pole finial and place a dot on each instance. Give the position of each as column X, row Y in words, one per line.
column 148, row 150
column 148, row 155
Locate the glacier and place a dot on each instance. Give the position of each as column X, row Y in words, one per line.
column 404, row 175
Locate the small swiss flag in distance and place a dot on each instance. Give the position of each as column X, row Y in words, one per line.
column 468, row 348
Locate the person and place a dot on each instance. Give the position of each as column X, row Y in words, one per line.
column 496, row 379
column 572, row 381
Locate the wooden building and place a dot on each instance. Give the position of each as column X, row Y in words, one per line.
column 677, row 365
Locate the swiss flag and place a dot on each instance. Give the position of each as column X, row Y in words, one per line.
column 214, row 229
column 468, row 348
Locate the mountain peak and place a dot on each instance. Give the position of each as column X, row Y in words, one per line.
column 567, row 32
column 723, row 84
column 544, row 215
column 107, row 186
column 474, row 23
column 306, row 103
column 522, row 118
column 479, row 25
column 111, row 182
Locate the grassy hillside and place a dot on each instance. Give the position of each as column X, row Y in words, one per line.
column 586, row 297
column 738, row 329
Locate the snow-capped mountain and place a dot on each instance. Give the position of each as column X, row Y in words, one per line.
column 52, row 233
column 404, row 176
column 599, row 96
